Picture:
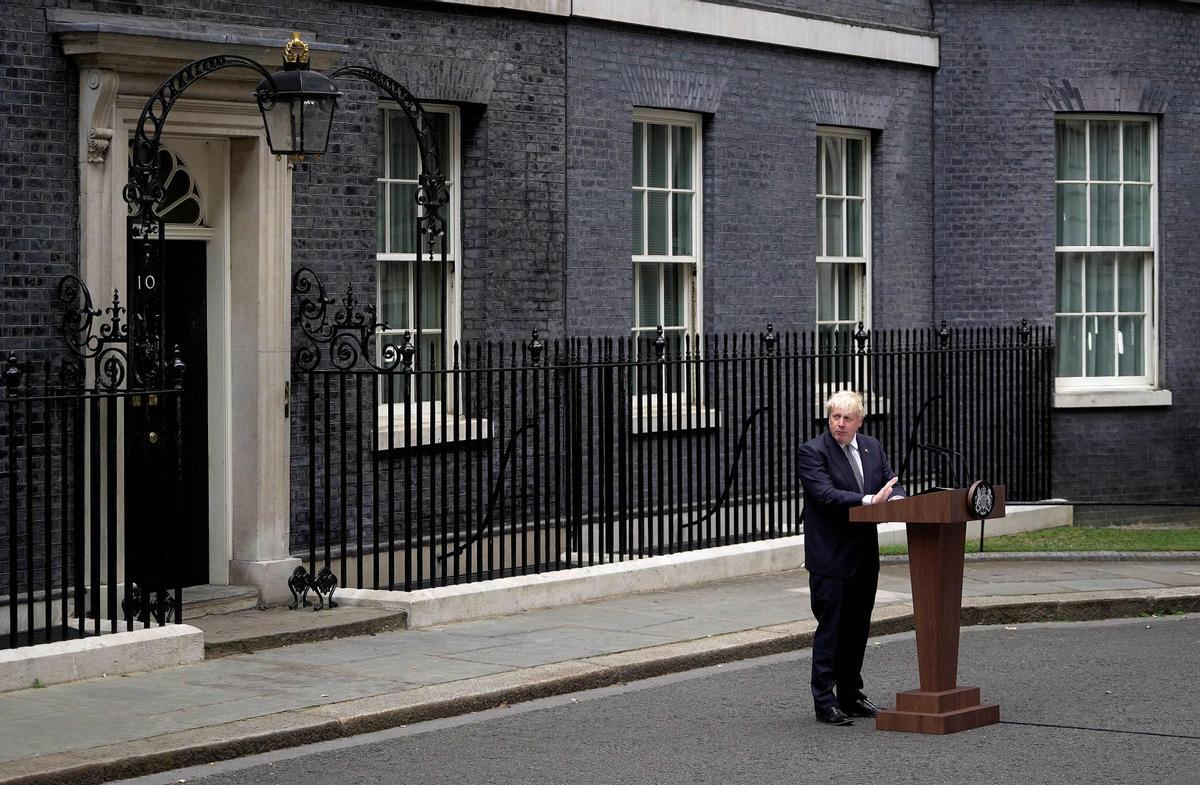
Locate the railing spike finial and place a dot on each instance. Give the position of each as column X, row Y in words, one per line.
column 860, row 338
column 769, row 339
column 535, row 349
column 12, row 374
column 660, row 344
column 407, row 351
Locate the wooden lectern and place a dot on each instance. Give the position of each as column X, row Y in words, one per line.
column 937, row 527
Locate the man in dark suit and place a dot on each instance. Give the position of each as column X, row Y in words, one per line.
column 841, row 469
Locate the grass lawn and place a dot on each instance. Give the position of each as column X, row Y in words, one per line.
column 1070, row 538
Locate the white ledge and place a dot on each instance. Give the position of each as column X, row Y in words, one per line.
column 758, row 25
column 766, row 27
column 1106, row 399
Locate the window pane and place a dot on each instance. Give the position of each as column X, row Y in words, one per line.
column 833, row 227
column 673, row 295
column 1131, row 359
column 1070, row 149
column 1101, row 273
column 1106, row 150
column 657, row 152
column 429, row 355
column 834, row 151
column 656, row 229
column 1106, row 218
column 381, row 130
column 1100, row 351
column 402, row 147
column 681, row 156
column 1072, row 215
column 820, row 224
column 402, row 220
column 1129, row 282
column 1137, row 152
column 854, row 152
column 381, row 221
column 393, row 295
column 1070, row 352
column 820, row 164
column 647, row 307
column 825, row 293
column 639, row 177
column 681, row 239
column 639, row 219
column 847, row 277
column 1137, row 215
column 854, row 227
column 441, row 133
column 1070, row 282
column 431, row 295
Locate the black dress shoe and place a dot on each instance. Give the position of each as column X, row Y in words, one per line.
column 860, row 707
column 833, row 715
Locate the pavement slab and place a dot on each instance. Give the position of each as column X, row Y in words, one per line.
column 308, row 691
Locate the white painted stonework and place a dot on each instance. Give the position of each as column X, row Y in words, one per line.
column 218, row 130
column 108, row 655
column 760, row 26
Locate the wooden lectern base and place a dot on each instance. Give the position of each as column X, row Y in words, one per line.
column 944, row 712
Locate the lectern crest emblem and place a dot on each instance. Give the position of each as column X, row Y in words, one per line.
column 981, row 499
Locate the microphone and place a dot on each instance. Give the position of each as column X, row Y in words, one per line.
column 964, row 469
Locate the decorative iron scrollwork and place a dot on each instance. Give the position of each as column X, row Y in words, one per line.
column 348, row 331
column 432, row 195
column 161, row 606
column 106, row 346
column 323, row 583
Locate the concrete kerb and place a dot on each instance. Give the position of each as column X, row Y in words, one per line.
column 505, row 596
column 105, row 655
column 363, row 715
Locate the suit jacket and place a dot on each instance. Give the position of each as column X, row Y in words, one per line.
column 832, row 545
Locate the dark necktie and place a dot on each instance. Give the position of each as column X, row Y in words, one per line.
column 854, row 467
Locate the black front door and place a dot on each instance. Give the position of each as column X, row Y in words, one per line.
column 185, row 312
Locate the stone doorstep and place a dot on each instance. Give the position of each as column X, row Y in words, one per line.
column 209, row 600
column 255, row 630
column 364, row 715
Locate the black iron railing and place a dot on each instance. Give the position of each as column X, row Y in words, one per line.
column 69, row 563
column 89, row 475
column 545, row 455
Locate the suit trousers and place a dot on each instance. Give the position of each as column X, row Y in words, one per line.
column 842, row 607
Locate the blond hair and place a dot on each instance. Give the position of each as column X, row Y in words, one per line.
column 847, row 401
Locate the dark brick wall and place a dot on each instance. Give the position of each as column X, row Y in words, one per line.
column 916, row 14
column 994, row 238
column 38, row 179
column 759, row 179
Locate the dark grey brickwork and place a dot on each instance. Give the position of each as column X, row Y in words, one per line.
column 1005, row 69
column 38, row 178
column 912, row 14
column 759, row 175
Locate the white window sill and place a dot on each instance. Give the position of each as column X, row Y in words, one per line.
column 425, row 428
column 1104, row 399
column 688, row 417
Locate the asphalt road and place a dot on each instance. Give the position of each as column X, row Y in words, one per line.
column 1096, row 702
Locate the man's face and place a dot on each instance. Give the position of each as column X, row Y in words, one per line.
column 843, row 425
